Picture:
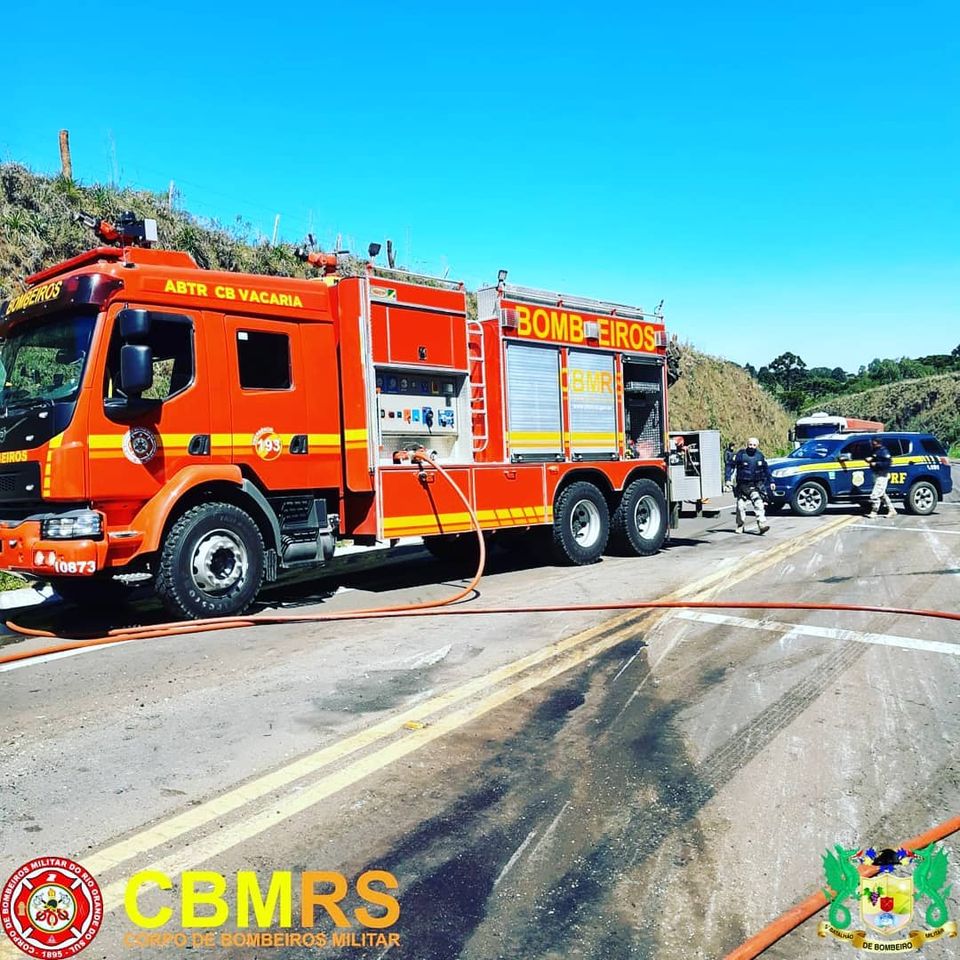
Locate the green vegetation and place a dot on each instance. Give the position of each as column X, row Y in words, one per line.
column 37, row 229
column 799, row 387
column 718, row 395
column 10, row 581
column 927, row 404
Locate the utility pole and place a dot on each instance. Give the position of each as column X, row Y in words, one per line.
column 170, row 197
column 66, row 166
column 276, row 227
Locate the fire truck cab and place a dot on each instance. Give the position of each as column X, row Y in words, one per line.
column 210, row 430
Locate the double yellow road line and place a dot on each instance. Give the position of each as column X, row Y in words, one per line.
column 400, row 735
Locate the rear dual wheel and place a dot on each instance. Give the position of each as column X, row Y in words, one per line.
column 581, row 524
column 639, row 524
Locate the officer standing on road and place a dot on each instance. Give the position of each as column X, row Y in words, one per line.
column 880, row 461
column 728, row 458
column 752, row 479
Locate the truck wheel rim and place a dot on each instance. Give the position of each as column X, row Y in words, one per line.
column 923, row 498
column 810, row 499
column 219, row 561
column 646, row 517
column 585, row 523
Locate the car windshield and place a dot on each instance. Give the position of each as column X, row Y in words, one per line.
column 44, row 362
column 816, row 450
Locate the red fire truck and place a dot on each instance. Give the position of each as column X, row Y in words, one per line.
column 213, row 429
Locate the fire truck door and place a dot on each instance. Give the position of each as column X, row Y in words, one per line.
column 267, row 387
column 136, row 446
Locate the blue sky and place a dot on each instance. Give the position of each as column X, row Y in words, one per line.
column 783, row 175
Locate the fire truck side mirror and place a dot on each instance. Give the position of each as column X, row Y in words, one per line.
column 136, row 369
column 134, row 325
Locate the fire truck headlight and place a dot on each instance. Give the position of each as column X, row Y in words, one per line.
column 74, row 526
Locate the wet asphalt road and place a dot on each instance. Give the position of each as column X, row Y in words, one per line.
column 661, row 787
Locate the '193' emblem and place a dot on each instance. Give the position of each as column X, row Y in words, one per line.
column 267, row 443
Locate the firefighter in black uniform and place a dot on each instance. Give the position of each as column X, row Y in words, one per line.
column 751, row 481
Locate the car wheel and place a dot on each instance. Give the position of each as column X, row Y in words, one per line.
column 581, row 524
column 922, row 498
column 639, row 524
column 809, row 499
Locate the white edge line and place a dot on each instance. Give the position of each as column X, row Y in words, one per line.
column 47, row 657
column 829, row 633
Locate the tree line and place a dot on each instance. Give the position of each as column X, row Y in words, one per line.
column 797, row 386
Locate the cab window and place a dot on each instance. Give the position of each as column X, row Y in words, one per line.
column 171, row 346
column 858, row 450
column 898, row 446
column 263, row 360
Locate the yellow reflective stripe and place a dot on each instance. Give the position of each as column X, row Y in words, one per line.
column 105, row 441
column 594, row 437
column 527, row 440
column 848, row 465
column 501, row 516
column 55, row 444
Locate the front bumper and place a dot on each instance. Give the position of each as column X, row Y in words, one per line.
column 23, row 550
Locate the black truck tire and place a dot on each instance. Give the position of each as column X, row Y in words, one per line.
column 639, row 524
column 581, row 524
column 211, row 562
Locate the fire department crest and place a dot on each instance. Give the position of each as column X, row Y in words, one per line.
column 51, row 907
column 887, row 897
column 140, row 445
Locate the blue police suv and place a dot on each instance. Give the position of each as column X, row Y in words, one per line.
column 834, row 469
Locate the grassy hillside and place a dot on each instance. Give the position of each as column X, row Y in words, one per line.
column 716, row 394
column 37, row 229
column 926, row 404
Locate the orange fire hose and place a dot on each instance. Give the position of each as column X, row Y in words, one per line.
column 222, row 623
column 803, row 911
column 429, row 608
column 753, row 947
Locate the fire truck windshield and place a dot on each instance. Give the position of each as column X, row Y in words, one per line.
column 45, row 361
column 42, row 365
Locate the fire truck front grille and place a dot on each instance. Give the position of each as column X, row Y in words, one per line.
column 20, row 482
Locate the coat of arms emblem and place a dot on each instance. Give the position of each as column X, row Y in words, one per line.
column 887, row 886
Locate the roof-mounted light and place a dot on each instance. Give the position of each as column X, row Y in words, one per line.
column 129, row 230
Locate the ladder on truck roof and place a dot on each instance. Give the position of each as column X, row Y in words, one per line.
column 477, row 375
column 550, row 299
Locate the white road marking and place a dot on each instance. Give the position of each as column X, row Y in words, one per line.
column 516, row 856
column 429, row 659
column 627, row 664
column 934, row 530
column 47, row 657
column 829, row 633
column 549, row 831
